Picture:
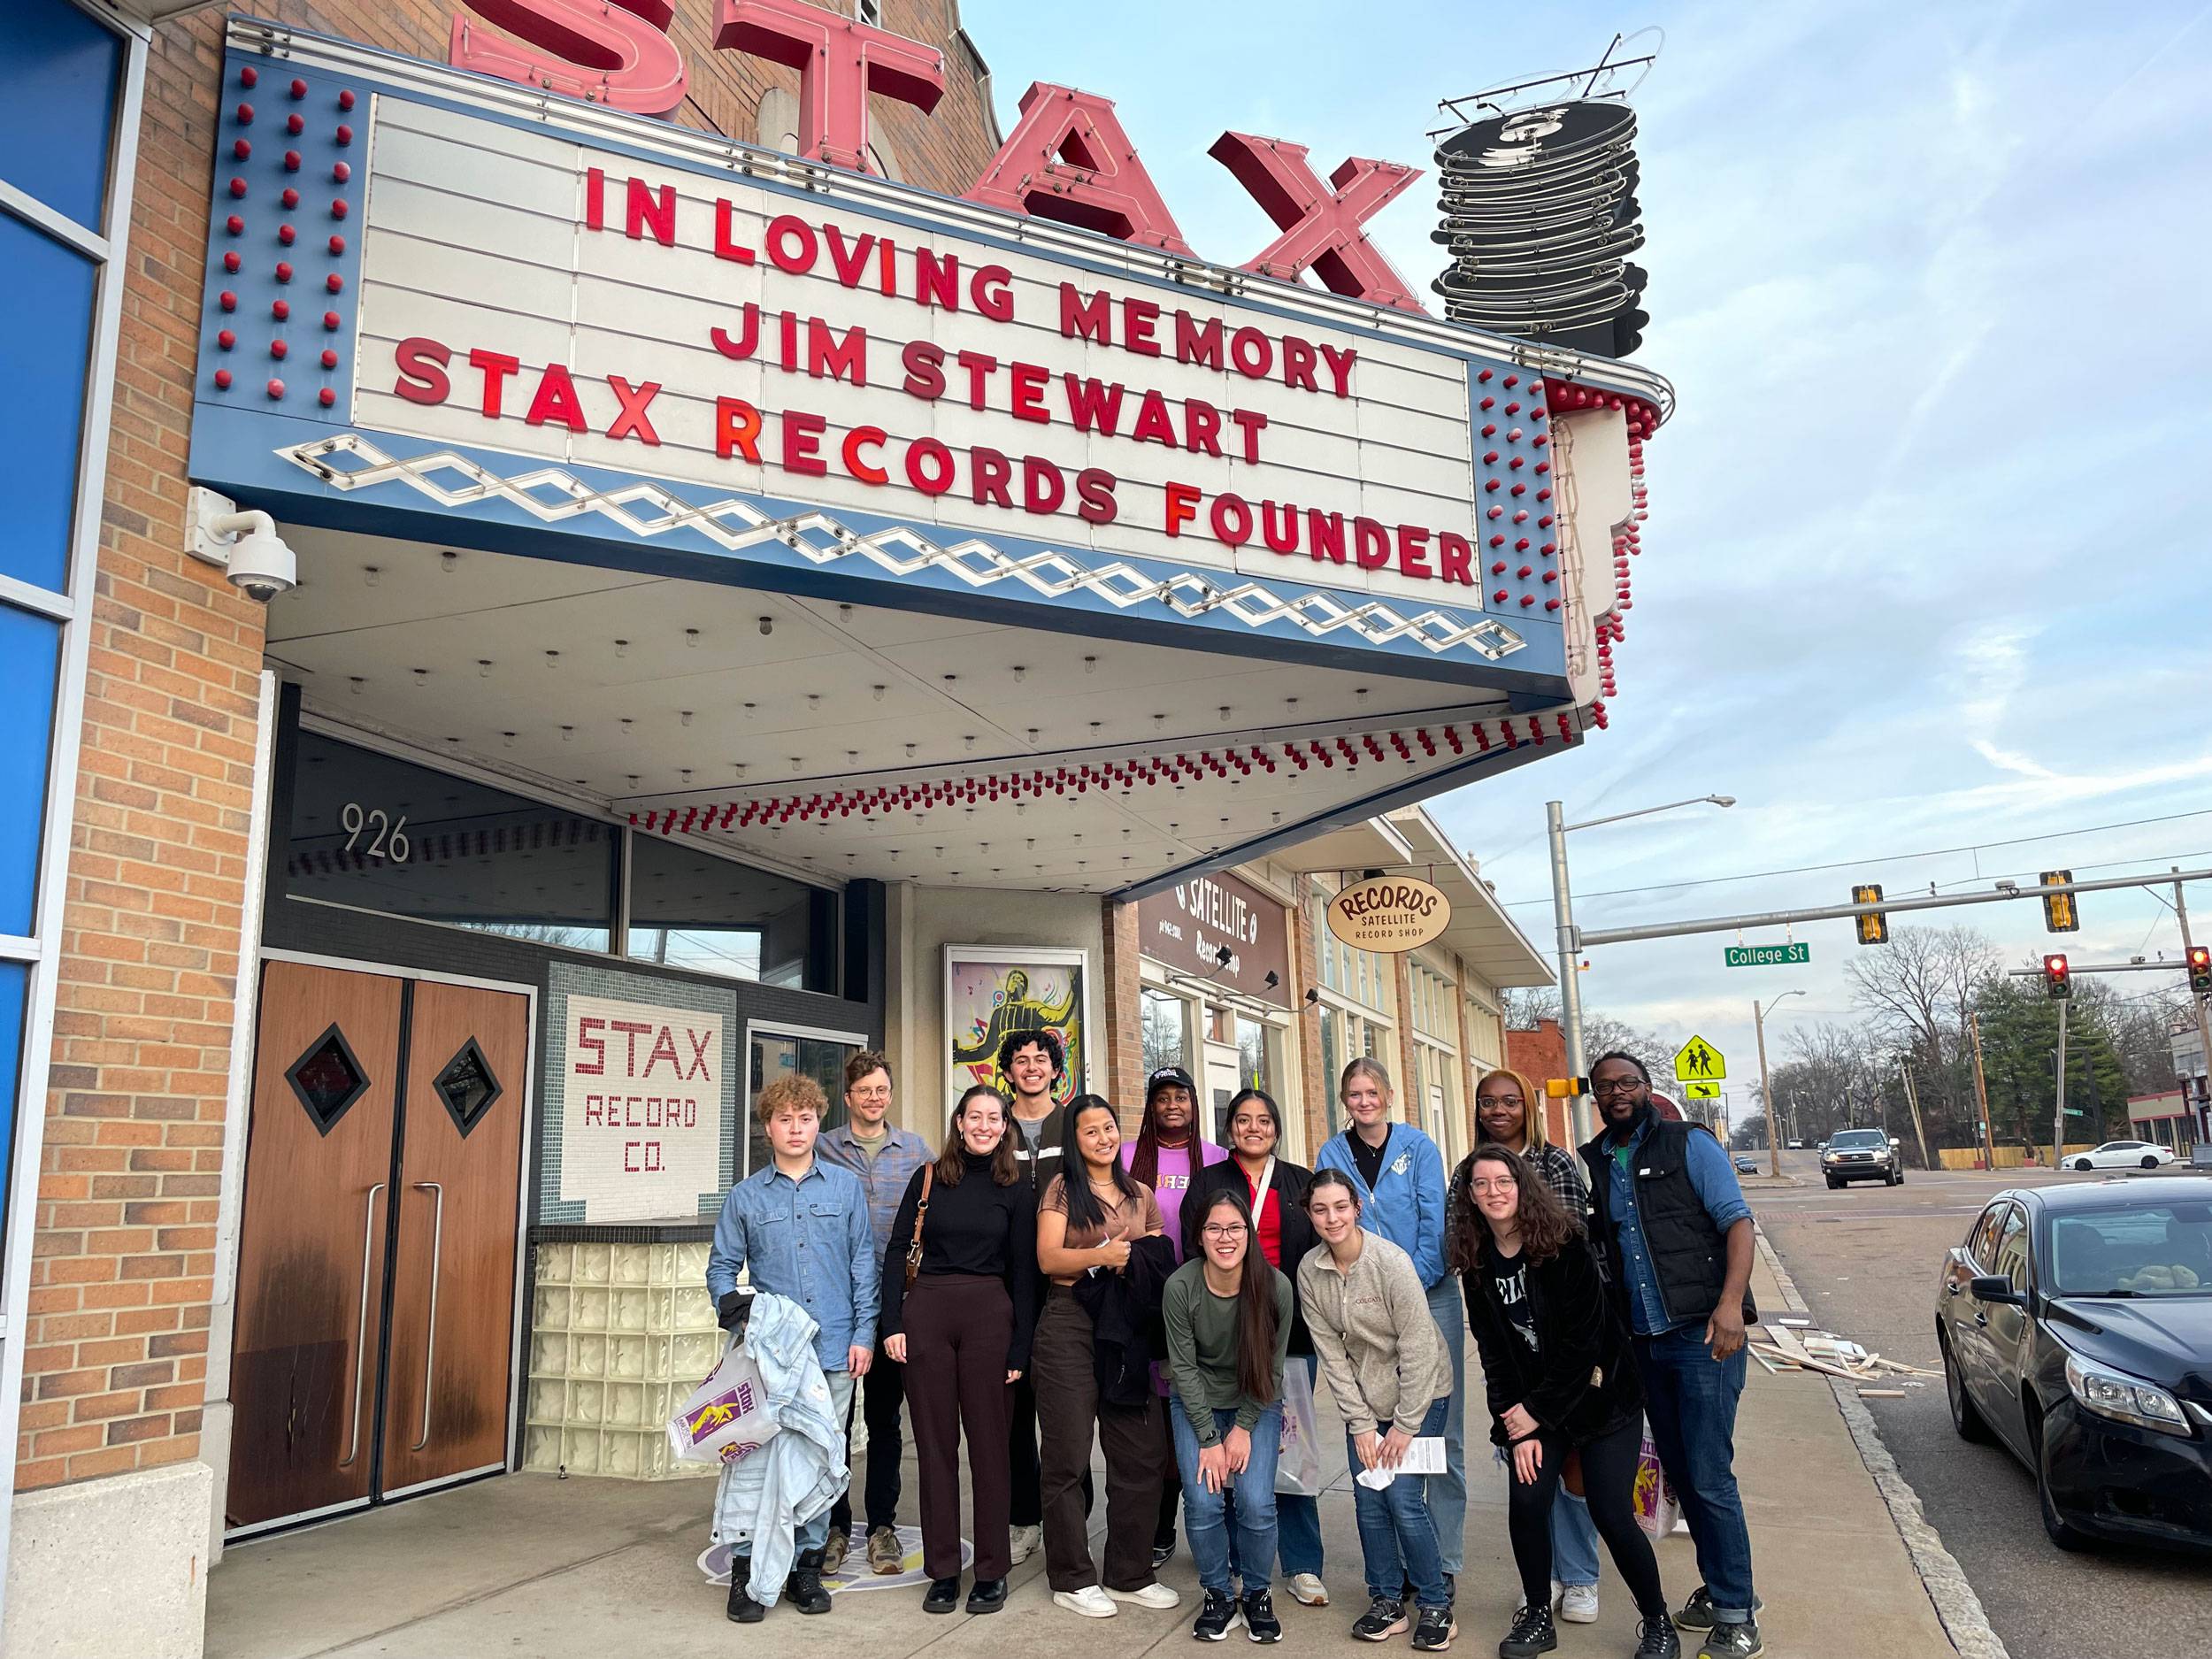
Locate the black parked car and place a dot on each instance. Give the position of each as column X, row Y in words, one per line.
column 1860, row 1155
column 2076, row 1325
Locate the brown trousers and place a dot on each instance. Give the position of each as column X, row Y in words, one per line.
column 1068, row 1408
column 958, row 1328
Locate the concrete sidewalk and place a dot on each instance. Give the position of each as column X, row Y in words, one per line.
column 529, row 1565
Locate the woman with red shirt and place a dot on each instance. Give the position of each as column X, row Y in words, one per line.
column 1277, row 1193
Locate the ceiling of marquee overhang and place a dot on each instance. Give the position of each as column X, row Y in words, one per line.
column 852, row 741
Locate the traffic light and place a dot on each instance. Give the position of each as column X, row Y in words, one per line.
column 1873, row 926
column 2057, row 982
column 1565, row 1088
column 2200, row 969
column 2059, row 914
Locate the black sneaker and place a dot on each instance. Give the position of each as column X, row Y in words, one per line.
column 743, row 1610
column 1385, row 1617
column 988, row 1595
column 1162, row 1554
column 1532, row 1633
column 1220, row 1616
column 944, row 1596
column 1655, row 1639
column 803, row 1588
column 1732, row 1641
column 1434, row 1633
column 1697, row 1612
column 1260, row 1623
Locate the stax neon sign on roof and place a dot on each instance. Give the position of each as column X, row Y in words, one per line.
column 1067, row 158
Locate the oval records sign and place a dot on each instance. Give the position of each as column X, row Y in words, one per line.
column 1389, row 913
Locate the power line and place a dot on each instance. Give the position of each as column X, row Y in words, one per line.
column 1861, row 863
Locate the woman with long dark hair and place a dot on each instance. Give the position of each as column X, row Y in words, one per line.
column 1389, row 1377
column 1276, row 1190
column 1556, row 1366
column 1228, row 1315
column 962, row 1326
column 1093, row 1214
column 1509, row 1112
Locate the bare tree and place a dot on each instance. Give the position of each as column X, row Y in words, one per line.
column 1918, row 989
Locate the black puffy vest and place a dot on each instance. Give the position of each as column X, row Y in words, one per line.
column 1689, row 1255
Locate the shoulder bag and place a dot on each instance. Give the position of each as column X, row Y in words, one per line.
column 921, row 1214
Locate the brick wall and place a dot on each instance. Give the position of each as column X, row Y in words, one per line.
column 121, row 1277
column 1121, row 1078
column 1538, row 1055
column 1305, row 972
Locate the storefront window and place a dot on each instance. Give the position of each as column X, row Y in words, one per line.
column 1165, row 1040
column 1332, row 1066
column 380, row 834
column 780, row 1054
column 689, row 909
column 1255, row 1047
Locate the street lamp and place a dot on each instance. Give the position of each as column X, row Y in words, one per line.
column 1766, row 1095
column 1562, row 912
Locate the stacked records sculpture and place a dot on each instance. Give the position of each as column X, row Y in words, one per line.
column 1538, row 210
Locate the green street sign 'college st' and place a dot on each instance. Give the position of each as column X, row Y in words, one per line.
column 1767, row 956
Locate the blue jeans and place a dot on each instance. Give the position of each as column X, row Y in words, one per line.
column 1297, row 1517
column 1690, row 1403
column 815, row 1533
column 1397, row 1538
column 1448, row 1492
column 1574, row 1540
column 1205, row 1514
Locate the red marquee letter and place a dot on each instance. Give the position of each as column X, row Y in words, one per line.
column 1321, row 229
column 587, row 48
column 1068, row 159
column 840, row 63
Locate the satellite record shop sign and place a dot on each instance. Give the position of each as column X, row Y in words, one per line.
column 1389, row 913
column 580, row 323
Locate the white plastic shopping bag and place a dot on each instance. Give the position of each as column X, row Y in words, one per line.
column 1298, row 1462
column 1656, row 1506
column 726, row 1418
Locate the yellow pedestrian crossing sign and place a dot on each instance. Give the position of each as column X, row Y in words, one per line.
column 1698, row 1061
column 1700, row 1089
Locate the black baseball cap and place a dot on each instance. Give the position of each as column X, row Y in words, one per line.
column 1164, row 1076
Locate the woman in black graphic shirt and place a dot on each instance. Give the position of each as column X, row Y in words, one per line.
column 1557, row 1365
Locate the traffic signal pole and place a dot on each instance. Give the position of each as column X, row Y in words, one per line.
column 2058, row 1111
column 2204, row 1028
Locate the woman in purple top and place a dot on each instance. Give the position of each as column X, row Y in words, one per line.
column 1166, row 1154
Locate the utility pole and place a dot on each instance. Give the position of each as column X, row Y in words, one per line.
column 2204, row 1028
column 1569, row 981
column 1912, row 1100
column 2058, row 1112
column 1766, row 1094
column 1981, row 1094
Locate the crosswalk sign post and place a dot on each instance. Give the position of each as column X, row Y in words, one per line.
column 1697, row 1061
column 1699, row 1088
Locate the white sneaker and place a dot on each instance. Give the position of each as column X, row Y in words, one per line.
column 1025, row 1541
column 1558, row 1590
column 1307, row 1590
column 1579, row 1604
column 1153, row 1594
column 1090, row 1601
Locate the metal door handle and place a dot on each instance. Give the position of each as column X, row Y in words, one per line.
column 361, row 1335
column 1954, row 1286
column 430, row 1347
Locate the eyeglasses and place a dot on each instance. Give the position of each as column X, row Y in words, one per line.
column 1234, row 1230
column 1503, row 1184
column 1482, row 1101
column 1618, row 1085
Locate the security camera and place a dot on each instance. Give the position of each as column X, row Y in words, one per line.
column 246, row 544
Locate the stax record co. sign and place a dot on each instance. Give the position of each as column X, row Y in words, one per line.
column 1066, row 159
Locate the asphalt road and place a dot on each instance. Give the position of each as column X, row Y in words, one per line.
column 1865, row 1259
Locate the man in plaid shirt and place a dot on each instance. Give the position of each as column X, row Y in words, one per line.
column 885, row 1159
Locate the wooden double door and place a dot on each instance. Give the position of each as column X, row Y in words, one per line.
column 377, row 1248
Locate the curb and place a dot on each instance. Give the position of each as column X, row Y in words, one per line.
column 1940, row 1575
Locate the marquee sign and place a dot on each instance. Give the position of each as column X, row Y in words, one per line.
column 438, row 309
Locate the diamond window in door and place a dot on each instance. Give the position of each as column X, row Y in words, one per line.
column 327, row 1079
column 467, row 1087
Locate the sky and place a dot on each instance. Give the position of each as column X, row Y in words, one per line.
column 1922, row 585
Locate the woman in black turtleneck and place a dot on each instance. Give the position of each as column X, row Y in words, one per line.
column 963, row 1331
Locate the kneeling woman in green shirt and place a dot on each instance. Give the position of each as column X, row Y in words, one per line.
column 1228, row 1325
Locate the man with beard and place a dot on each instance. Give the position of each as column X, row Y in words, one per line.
column 1167, row 1154
column 1676, row 1233
column 1031, row 1059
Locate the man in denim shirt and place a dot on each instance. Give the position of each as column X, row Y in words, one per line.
column 802, row 1226
column 1671, row 1223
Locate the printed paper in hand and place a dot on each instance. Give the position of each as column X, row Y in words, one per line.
column 1424, row 1456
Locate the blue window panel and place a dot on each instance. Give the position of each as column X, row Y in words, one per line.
column 30, row 654
column 15, row 981
column 59, row 76
column 46, row 296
